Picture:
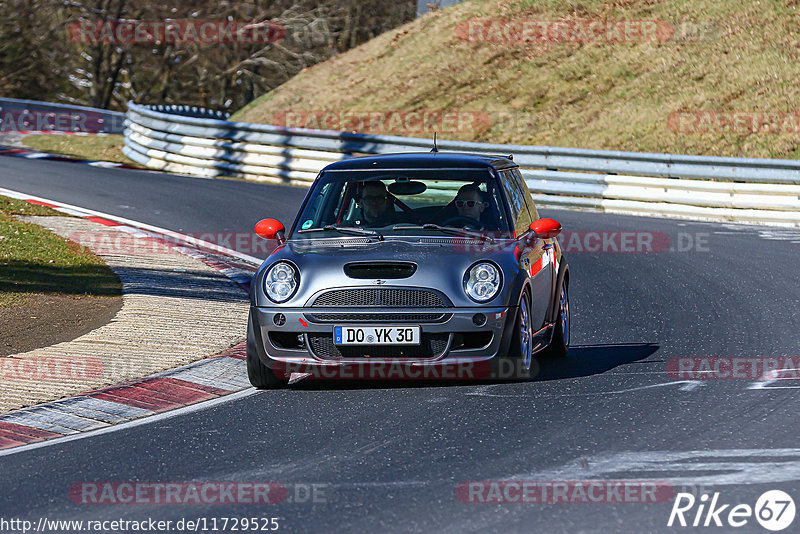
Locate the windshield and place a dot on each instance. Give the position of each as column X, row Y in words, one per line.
column 404, row 202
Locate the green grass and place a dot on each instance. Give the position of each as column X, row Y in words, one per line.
column 34, row 260
column 725, row 55
column 96, row 147
column 12, row 206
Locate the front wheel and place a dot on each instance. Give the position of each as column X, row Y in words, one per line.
column 559, row 345
column 517, row 363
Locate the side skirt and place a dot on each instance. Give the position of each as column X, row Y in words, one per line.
column 542, row 338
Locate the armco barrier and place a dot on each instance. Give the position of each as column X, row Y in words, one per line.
column 736, row 189
column 33, row 116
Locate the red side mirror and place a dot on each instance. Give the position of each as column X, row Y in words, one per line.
column 546, row 228
column 270, row 229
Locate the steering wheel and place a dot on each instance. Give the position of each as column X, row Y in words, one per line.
column 463, row 222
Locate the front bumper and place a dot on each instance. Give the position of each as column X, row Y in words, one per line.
column 302, row 339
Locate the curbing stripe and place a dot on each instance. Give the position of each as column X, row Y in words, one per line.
column 22, row 429
column 86, row 414
column 38, row 203
column 18, row 437
column 129, row 401
column 200, row 406
column 180, row 388
column 71, row 420
column 7, row 443
column 103, row 221
column 200, row 381
column 131, row 398
column 220, row 372
column 195, row 386
column 112, row 408
column 24, row 419
column 172, row 392
column 63, row 419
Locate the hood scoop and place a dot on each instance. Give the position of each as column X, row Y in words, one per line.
column 387, row 270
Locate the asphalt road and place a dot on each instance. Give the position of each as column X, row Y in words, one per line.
column 389, row 457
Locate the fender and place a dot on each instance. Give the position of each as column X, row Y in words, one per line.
column 563, row 272
column 521, row 283
column 255, row 343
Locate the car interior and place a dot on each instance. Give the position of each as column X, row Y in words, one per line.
column 401, row 196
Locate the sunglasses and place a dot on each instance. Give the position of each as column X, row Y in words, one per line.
column 470, row 203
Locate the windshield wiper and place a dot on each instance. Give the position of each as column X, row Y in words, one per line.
column 447, row 230
column 345, row 230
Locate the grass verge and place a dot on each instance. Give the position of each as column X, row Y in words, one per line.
column 96, row 147
column 33, row 260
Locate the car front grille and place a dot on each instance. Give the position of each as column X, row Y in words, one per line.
column 380, row 298
column 432, row 346
column 376, row 317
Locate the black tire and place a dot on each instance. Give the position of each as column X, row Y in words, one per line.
column 519, row 361
column 261, row 376
column 559, row 344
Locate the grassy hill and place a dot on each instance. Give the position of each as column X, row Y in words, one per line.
column 609, row 93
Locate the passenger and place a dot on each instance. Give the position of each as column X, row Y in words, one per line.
column 469, row 203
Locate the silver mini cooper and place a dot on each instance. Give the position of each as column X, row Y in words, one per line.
column 410, row 266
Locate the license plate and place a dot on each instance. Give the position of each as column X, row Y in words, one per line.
column 376, row 335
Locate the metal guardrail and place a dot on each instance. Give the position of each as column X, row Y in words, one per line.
column 31, row 115
column 696, row 187
column 192, row 111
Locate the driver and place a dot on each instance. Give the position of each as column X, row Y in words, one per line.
column 376, row 206
column 469, row 203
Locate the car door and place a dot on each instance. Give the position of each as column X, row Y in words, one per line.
column 544, row 250
column 533, row 256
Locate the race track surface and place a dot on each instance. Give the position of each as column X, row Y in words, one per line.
column 389, row 457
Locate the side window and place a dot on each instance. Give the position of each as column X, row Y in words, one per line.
column 516, row 200
column 322, row 208
column 312, row 211
column 526, row 193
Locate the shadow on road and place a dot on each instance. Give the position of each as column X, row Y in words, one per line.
column 590, row 360
column 581, row 361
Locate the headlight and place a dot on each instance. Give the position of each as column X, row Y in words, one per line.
column 281, row 282
column 482, row 282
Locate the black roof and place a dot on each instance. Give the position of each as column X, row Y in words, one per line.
column 423, row 160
